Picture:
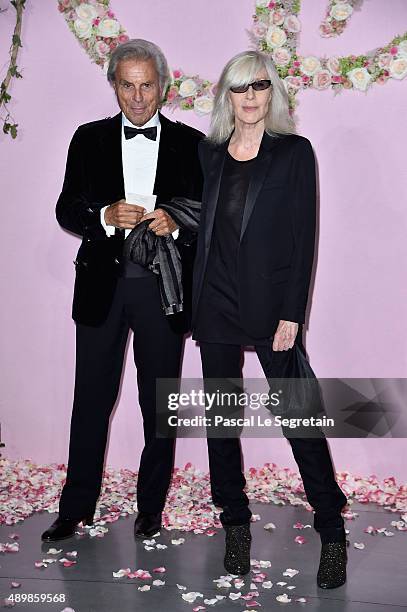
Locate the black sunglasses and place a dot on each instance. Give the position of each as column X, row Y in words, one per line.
column 257, row 86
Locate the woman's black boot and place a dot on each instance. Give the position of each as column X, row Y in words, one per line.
column 332, row 566
column 237, row 554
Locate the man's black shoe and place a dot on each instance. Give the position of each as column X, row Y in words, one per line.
column 64, row 528
column 147, row 525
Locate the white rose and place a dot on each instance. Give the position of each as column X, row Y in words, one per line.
column 292, row 24
column 333, row 65
column 108, row 28
column 87, row 12
column 360, row 78
column 83, row 29
column 398, row 68
column 281, row 56
column 341, row 11
column 402, row 48
column 276, row 37
column 203, row 105
column 187, row 88
column 310, row 64
column 321, row 79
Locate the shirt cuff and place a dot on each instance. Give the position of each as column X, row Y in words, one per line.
column 175, row 233
column 109, row 229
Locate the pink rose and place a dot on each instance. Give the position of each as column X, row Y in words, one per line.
column 325, row 29
column 384, row 60
column 278, row 16
column 291, row 71
column 177, row 74
column 113, row 46
column 394, row 50
column 337, row 79
column 172, row 93
column 322, row 79
column 101, row 10
column 296, row 63
column 102, row 49
column 292, row 24
column 292, row 83
column 123, row 38
column 259, row 29
column 271, row 5
column 305, row 78
column 110, row 14
column 382, row 79
column 281, row 56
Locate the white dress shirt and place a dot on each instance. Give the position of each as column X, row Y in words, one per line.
column 139, row 158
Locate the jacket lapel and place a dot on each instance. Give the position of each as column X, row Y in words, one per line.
column 167, row 159
column 214, row 179
column 257, row 178
column 111, row 143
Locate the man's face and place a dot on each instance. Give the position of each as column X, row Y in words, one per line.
column 137, row 89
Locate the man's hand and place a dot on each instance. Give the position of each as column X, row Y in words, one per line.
column 284, row 337
column 162, row 224
column 123, row 215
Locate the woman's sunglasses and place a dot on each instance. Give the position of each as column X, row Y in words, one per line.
column 257, row 86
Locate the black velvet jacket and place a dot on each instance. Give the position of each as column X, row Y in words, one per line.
column 93, row 179
column 277, row 236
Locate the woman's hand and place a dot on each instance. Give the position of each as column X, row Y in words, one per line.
column 285, row 335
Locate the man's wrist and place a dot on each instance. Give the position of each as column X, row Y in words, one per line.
column 109, row 229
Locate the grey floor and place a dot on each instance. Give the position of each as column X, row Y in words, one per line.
column 377, row 575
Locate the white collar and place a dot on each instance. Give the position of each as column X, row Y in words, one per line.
column 154, row 121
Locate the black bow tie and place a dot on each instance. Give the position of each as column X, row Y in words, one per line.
column 130, row 132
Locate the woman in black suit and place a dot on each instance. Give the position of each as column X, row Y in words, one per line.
column 251, row 279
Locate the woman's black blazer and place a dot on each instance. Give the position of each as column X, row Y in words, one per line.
column 278, row 231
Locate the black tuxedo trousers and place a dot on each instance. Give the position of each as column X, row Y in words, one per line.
column 223, row 361
column 99, row 360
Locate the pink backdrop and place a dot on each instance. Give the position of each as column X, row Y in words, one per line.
column 357, row 325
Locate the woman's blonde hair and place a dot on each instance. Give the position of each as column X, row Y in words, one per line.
column 242, row 69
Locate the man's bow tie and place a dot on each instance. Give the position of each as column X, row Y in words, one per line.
column 130, row 132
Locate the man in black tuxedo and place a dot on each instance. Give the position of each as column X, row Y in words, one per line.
column 138, row 151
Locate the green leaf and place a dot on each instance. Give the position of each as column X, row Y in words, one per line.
column 13, row 130
column 14, row 3
column 15, row 73
column 6, row 127
column 4, row 97
column 16, row 40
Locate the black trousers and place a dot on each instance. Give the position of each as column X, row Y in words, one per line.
column 311, row 454
column 99, row 362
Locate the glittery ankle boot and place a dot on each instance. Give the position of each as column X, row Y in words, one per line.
column 332, row 566
column 237, row 554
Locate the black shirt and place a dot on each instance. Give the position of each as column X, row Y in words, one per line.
column 218, row 317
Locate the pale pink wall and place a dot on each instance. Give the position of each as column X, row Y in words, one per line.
column 357, row 325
